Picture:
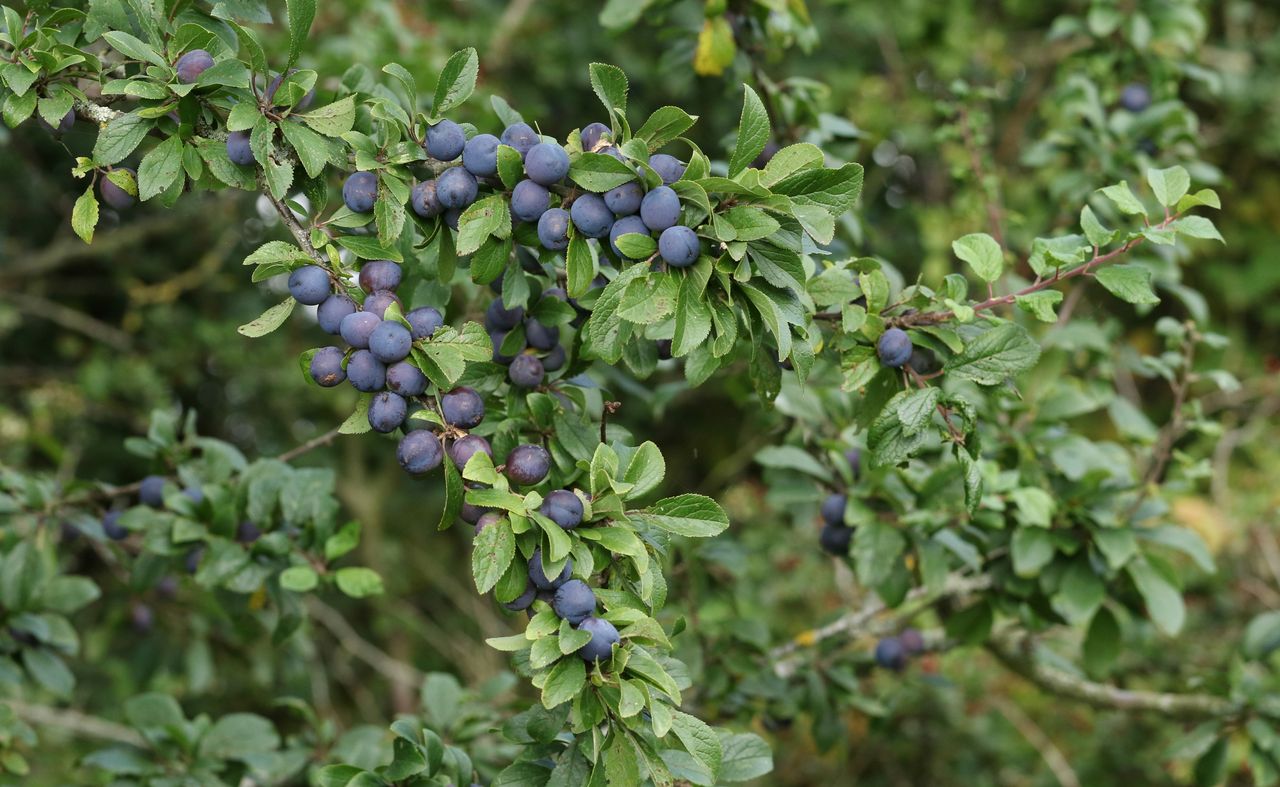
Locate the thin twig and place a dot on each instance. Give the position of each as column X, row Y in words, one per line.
column 69, row 318
column 1053, row 757
column 310, row 445
column 75, row 721
column 362, row 649
column 1017, row 653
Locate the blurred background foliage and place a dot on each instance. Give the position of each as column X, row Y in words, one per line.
column 953, row 108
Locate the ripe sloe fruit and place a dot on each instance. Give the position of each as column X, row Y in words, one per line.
column 520, row 136
column 592, row 133
column 487, row 519
column 526, row 371
column 151, row 491
column 771, row 149
column 112, row 528
column 309, row 285
column 424, row 200
column 471, row 513
column 419, row 452
column 248, row 532
column 591, row 216
column 528, row 464
column 390, row 342
column 238, row 149
column 524, row 600
column 445, row 140
column 380, row 275
column 115, row 196
column 456, row 188
column 462, row 407
column 554, row 360
column 890, row 654
column 451, row 218
column 1135, row 97
column 627, row 225
column 546, row 163
column 480, row 155
column 669, row 168
column 378, row 302
column 326, row 367
column 833, row 509
column 406, row 379
column 540, row 578
column 553, row 229
column 894, row 348
column 563, row 507
column 387, row 411
column 574, row 601
column 366, row 373
column 192, row 64
column 529, row 200
column 539, row 336
column 603, row 637
column 424, row 321
column 625, row 199
column 360, row 191
column 660, row 208
column 679, row 246
column 332, row 311
column 356, row 328
column 497, row 317
column 466, row 447
column 834, row 539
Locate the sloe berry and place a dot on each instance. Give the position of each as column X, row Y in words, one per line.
column 390, row 342
column 833, row 509
column 660, row 208
column 625, row 199
column 445, row 140
column 456, row 188
column 546, row 163
column 366, row 373
column 424, row 321
column 894, row 348
column 528, row 464
column 238, row 149
column 563, row 507
column 591, row 216
column 419, row 452
column 526, row 371
column 378, row 302
column 480, row 155
column 332, row 311
column 387, row 411
column 539, row 336
column 529, row 200
column 356, row 328
column 574, row 601
column 540, row 579
column 553, row 229
column 192, row 64
column 592, row 133
column 151, row 491
column 669, row 168
column 326, row 367
column 890, row 654
column 466, row 447
column 379, row 275
column 520, row 136
column 115, row 196
column 424, row 200
column 406, row 379
column 462, row 407
column 603, row 637
column 309, row 285
column 679, row 246
column 627, row 225
column 360, row 191
column 497, row 317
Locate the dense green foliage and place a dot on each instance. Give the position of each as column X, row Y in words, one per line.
column 777, row 474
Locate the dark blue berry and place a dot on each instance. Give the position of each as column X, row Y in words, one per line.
column 894, row 348
column 526, row 371
column 326, row 367
column 424, row 321
column 592, row 133
column 625, row 199
column 419, row 452
column 406, row 379
column 468, row 446
column 425, row 201
column 660, row 208
column 528, row 464
column 480, row 155
column 546, row 163
column 627, row 225
column 679, row 246
column 192, row 64
column 366, row 372
column 238, row 149
column 553, row 229
column 456, row 188
column 462, row 407
column 360, row 191
column 540, row 578
column 520, row 136
column 529, row 200
column 669, row 168
column 309, row 285
column 390, row 342
column 357, row 327
column 563, row 507
column 332, row 311
column 387, row 411
column 603, row 637
column 574, row 601
column 445, row 140
column 380, row 275
column 591, row 216
column 151, row 491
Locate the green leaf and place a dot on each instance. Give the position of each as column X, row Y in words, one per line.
column 834, row 190
column 636, row 246
column 332, row 120
column 369, row 248
column 301, row 14
column 1040, row 304
column 690, row 515
column 49, row 670
column 876, row 551
column 299, row 579
column 599, row 173
column 489, row 216
column 1032, row 549
column 453, row 493
column 491, row 553
column 746, row 756
column 664, row 125
column 457, row 81
column 982, row 253
column 698, row 739
column 270, row 320
column 610, row 86
column 790, row 457
column 753, row 132
column 238, row 736
column 134, row 48
column 1262, row 635
column 153, row 711
column 1129, row 282
column 644, row 471
column 1169, row 185
column 1124, row 199
column 358, row 582
column 1163, row 600
column 995, row 355
column 1101, row 642
column 160, row 168
column 84, row 215
column 67, row 594
column 1097, row 234
column 580, row 266
column 564, row 682
column 1197, row 227
column 120, row 137
column 358, row 421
